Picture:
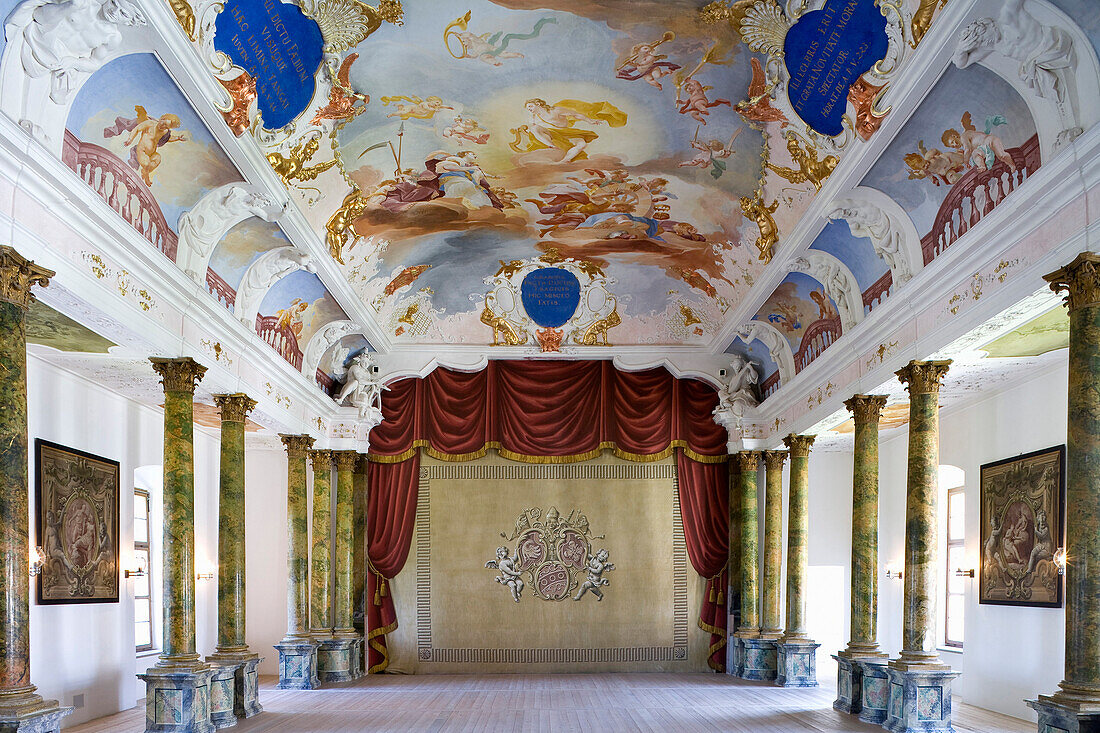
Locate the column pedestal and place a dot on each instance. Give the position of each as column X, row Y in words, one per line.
column 758, row 659
column 43, row 716
column 920, row 701
column 849, row 681
column 796, row 663
column 223, row 695
column 246, row 687
column 1057, row 718
column 298, row 665
column 334, row 660
column 177, row 701
column 875, row 692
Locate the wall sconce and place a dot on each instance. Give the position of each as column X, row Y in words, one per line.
column 1060, row 560
column 893, row 572
column 139, row 571
column 37, row 560
column 207, row 575
column 968, row 573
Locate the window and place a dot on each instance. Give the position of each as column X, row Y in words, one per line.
column 955, row 602
column 143, row 600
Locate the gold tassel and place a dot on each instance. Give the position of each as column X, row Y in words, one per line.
column 712, row 593
column 721, row 600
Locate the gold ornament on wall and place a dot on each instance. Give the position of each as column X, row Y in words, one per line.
column 809, row 167
column 344, row 24
column 756, row 210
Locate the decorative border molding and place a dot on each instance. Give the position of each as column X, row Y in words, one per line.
column 426, row 653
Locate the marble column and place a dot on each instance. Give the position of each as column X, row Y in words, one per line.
column 359, row 545
column 20, row 708
column 297, row 650
column 1075, row 707
column 755, row 657
column 177, row 689
column 338, row 654
column 920, row 683
column 233, row 694
column 320, row 598
column 771, row 615
column 733, row 566
column 796, row 653
column 863, row 629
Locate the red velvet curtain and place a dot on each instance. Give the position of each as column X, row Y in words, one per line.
column 547, row 412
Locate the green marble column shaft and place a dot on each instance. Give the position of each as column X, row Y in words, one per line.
column 734, row 565
column 320, row 600
column 863, row 631
column 17, row 276
column 771, row 614
column 179, row 377
column 231, row 542
column 748, row 461
column 918, row 635
column 359, row 541
column 346, row 461
column 297, row 527
column 1080, row 280
column 798, row 497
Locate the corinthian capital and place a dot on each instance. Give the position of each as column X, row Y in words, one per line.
column 1080, row 280
column 18, row 275
column 234, row 407
column 923, row 377
column 346, row 460
column 178, row 375
column 866, row 408
column 748, row 460
column 296, row 445
column 321, row 459
column 774, row 459
column 799, row 445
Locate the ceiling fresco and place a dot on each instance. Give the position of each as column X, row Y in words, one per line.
column 565, row 175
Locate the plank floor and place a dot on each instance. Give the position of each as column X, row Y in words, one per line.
column 615, row 703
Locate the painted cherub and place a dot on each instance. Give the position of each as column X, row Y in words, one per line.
column 509, row 572
column 291, row 316
column 697, row 105
column 979, row 149
column 712, row 154
column 595, row 567
column 644, row 63
column 467, row 129
column 421, row 109
column 147, row 135
column 932, row 163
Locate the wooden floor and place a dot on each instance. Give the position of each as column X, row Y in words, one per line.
column 598, row 702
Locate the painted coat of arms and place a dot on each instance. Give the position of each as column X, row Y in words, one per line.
column 549, row 555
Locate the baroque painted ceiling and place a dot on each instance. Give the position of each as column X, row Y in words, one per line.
column 569, row 177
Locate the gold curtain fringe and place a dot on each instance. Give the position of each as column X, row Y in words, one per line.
column 372, row 637
column 716, row 646
column 527, row 458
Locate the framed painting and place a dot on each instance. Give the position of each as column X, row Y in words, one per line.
column 1022, row 525
column 77, row 496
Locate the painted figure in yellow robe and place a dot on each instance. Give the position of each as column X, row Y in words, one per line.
column 421, row 109
column 291, row 316
column 553, row 126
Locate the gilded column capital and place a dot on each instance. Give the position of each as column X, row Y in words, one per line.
column 748, row 460
column 234, row 407
column 774, row 459
column 178, row 375
column 923, row 377
column 18, row 275
column 866, row 408
column 296, row 445
column 321, row 458
column 346, row 460
column 361, row 466
column 1079, row 279
column 799, row 445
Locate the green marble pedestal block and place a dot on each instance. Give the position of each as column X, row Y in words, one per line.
column 246, row 685
column 920, row 701
column 796, row 663
column 223, row 694
column 298, row 665
column 334, row 660
column 42, row 716
column 758, row 659
column 1056, row 718
column 875, row 692
column 177, row 701
column 849, row 683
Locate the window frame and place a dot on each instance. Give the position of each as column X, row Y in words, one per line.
column 143, row 495
column 950, row 543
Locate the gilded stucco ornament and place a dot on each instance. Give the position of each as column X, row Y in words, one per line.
column 178, row 375
column 866, row 408
column 296, row 445
column 799, row 445
column 18, row 275
column 810, row 169
column 345, row 24
column 756, row 210
column 1079, row 280
column 748, row 461
column 234, row 407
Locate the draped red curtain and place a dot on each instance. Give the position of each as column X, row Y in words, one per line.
column 546, row 412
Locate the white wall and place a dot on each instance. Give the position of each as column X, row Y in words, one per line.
column 88, row 649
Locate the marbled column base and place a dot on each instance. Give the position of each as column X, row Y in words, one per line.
column 875, row 692
column 41, row 716
column 246, row 687
column 849, row 682
column 796, row 663
column 357, row 668
column 1057, row 718
column 737, row 656
column 334, row 662
column 177, row 701
column 920, row 701
column 758, row 659
column 298, row 665
column 223, row 695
